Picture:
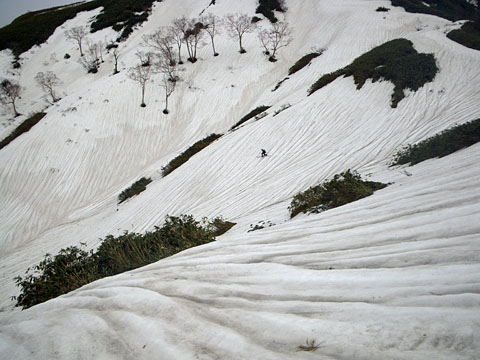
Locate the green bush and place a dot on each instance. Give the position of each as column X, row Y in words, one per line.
column 468, row 35
column 452, row 10
column 440, row 145
column 74, row 267
column 302, row 62
column 187, row 154
column 258, row 110
column 396, row 61
column 135, row 189
column 219, row 226
column 22, row 128
column 342, row 189
column 266, row 8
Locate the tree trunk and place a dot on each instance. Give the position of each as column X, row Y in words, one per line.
column 143, row 96
column 80, row 46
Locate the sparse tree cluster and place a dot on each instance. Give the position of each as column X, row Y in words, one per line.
column 48, row 82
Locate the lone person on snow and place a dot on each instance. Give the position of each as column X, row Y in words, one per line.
column 264, row 153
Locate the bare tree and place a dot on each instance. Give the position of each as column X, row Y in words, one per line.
column 116, row 56
column 163, row 42
column 169, row 87
column 164, row 66
column 91, row 59
column 278, row 36
column 193, row 37
column 48, row 81
column 77, row 34
column 211, row 25
column 237, row 26
column 144, row 57
column 10, row 91
column 178, row 32
column 141, row 74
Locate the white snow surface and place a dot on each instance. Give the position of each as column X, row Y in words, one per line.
column 392, row 276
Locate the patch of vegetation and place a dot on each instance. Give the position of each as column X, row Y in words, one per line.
column 136, row 188
column 342, row 189
column 260, row 225
column 73, row 267
column 382, row 9
column 396, row 61
column 258, row 110
column 122, row 15
column 34, row 28
column 303, row 61
column 468, row 35
column 452, row 10
column 310, row 346
column 220, row 226
column 187, row 154
column 440, row 145
column 22, row 128
column 267, row 7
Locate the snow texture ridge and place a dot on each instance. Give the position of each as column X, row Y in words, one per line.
column 391, row 276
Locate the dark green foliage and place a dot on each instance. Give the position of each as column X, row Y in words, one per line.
column 468, row 35
column 22, row 128
column 34, row 28
column 342, row 189
column 448, row 9
column 302, row 62
column 74, row 267
column 396, row 61
column 382, row 9
column 251, row 114
column 187, row 154
column 440, row 145
column 219, row 226
column 122, row 15
column 266, row 8
column 136, row 188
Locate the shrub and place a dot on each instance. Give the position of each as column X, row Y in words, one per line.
column 74, row 267
column 382, row 9
column 22, row 128
column 440, row 145
column 342, row 189
column 468, row 35
column 258, row 110
column 266, row 8
column 187, row 154
column 219, row 226
column 135, row 189
column 303, row 61
column 396, row 61
column 452, row 10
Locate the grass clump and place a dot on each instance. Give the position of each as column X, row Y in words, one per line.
column 396, row 61
column 136, row 188
column 303, row 61
column 382, row 9
column 342, row 189
column 251, row 114
column 468, row 35
column 266, row 8
column 187, row 154
column 452, row 10
column 440, row 145
column 22, row 128
column 74, row 267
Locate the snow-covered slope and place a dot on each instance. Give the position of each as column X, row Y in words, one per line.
column 391, row 276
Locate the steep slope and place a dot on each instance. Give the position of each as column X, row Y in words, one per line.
column 404, row 263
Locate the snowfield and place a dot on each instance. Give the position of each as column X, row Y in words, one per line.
column 392, row 276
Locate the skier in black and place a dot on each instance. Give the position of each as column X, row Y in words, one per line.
column 264, row 153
